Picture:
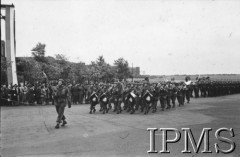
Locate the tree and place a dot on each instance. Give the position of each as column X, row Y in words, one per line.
column 38, row 52
column 65, row 67
column 61, row 58
column 79, row 72
column 4, row 65
column 102, row 71
column 29, row 69
column 122, row 69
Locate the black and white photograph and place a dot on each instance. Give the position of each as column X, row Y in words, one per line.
column 120, row 78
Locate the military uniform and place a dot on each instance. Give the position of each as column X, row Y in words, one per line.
column 62, row 97
column 196, row 90
column 173, row 94
column 163, row 93
column 93, row 98
column 180, row 95
column 155, row 94
column 147, row 100
column 117, row 99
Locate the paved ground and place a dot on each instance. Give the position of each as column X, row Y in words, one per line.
column 29, row 130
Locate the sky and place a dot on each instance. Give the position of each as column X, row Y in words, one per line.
column 162, row 37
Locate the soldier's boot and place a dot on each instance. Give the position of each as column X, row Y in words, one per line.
column 146, row 111
column 163, row 107
column 168, row 106
column 103, row 109
column 90, row 112
column 64, row 123
column 173, row 105
column 133, row 111
column 181, row 103
column 153, row 107
column 106, row 109
column 125, row 106
column 94, row 110
column 153, row 110
column 57, row 126
column 136, row 108
column 142, row 108
column 109, row 106
column 115, row 108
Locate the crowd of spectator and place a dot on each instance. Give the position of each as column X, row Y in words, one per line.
column 39, row 93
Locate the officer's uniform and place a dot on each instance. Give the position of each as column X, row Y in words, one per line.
column 62, row 97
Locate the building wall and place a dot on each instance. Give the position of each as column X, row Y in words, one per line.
column 135, row 71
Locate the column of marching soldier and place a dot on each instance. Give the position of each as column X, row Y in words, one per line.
column 128, row 94
column 145, row 96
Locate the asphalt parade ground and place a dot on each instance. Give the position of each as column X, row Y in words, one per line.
column 29, row 130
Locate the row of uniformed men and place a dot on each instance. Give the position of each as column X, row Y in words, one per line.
column 133, row 96
column 210, row 88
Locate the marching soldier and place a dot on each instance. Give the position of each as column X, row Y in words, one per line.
column 104, row 99
column 168, row 93
column 118, row 98
column 138, row 98
column 196, row 89
column 147, row 100
column 187, row 89
column 131, row 101
column 163, row 96
column 173, row 93
column 62, row 97
column 93, row 98
column 155, row 94
column 180, row 94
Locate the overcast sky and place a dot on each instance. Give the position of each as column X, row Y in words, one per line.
column 159, row 36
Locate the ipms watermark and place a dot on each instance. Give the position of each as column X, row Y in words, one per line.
column 189, row 140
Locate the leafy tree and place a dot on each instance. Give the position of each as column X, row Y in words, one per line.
column 30, row 69
column 101, row 71
column 38, row 52
column 4, row 65
column 122, row 69
column 79, row 72
column 65, row 67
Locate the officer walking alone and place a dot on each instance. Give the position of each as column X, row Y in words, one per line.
column 62, row 97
